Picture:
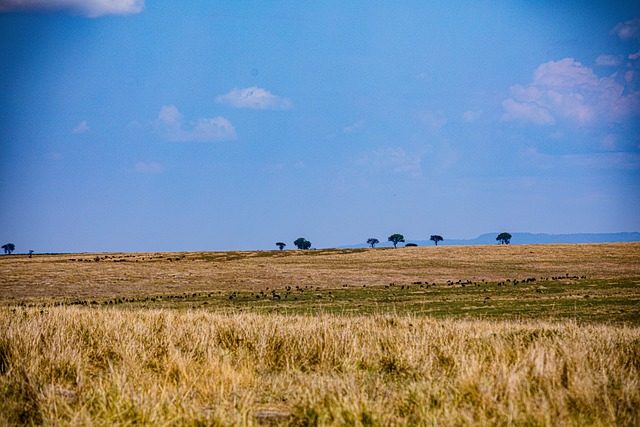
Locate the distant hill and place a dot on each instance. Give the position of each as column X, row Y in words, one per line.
column 526, row 239
column 540, row 238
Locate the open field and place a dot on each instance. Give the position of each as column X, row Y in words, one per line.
column 144, row 274
column 579, row 282
column 495, row 335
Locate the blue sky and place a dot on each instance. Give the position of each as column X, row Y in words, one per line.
column 214, row 125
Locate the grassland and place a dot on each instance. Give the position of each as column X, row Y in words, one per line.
column 502, row 335
column 145, row 274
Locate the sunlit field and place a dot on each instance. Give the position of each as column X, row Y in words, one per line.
column 520, row 335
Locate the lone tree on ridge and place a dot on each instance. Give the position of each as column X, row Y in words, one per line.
column 504, row 238
column 8, row 248
column 302, row 243
column 281, row 245
column 373, row 242
column 435, row 238
column 395, row 239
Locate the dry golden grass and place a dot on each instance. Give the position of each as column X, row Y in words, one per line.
column 123, row 364
column 79, row 366
column 79, row 276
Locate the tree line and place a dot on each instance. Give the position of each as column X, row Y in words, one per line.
column 10, row 247
column 300, row 243
column 303, row 244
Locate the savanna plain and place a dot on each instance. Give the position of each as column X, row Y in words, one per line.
column 478, row 335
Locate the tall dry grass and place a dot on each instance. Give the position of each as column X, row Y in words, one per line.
column 75, row 366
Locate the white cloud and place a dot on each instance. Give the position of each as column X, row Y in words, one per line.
column 609, row 60
column 564, row 73
column 148, row 167
column 82, row 127
column 527, row 112
column 471, row 116
column 255, row 98
column 627, row 30
column 89, row 8
column 171, row 125
column 170, row 115
column 355, row 126
column 135, row 124
column 434, row 120
column 568, row 90
column 423, row 77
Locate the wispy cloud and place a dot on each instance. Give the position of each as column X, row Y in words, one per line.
column 471, row 116
column 255, row 98
column 423, row 77
column 627, row 30
column 354, row 126
column 611, row 160
column 524, row 111
column 609, row 60
column 82, row 127
column 148, row 167
column 570, row 91
column 279, row 167
column 395, row 159
column 171, row 125
column 435, row 120
column 89, row 8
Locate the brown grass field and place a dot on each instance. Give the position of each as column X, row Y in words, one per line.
column 144, row 274
column 485, row 335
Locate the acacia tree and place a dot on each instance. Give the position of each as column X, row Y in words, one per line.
column 8, row 248
column 504, row 238
column 435, row 238
column 395, row 239
column 281, row 245
column 302, row 243
column 373, row 242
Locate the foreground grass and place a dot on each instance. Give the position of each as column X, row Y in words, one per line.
column 79, row 366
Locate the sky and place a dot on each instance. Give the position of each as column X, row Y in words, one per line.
column 132, row 125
